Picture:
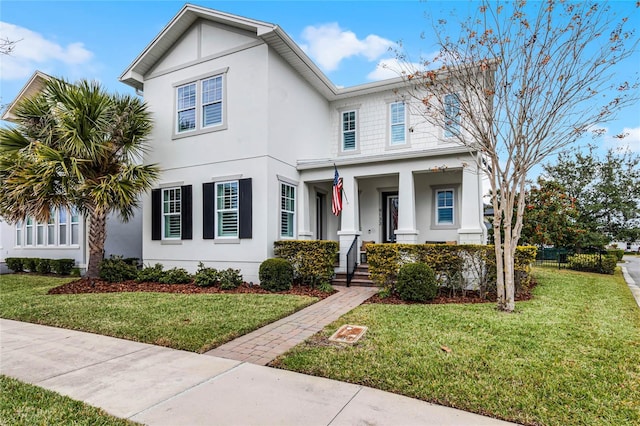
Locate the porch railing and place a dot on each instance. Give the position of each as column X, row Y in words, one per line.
column 352, row 260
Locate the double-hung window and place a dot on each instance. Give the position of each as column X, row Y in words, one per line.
column 212, row 101
column 349, row 137
column 451, row 115
column 29, row 231
column 51, row 228
column 227, row 209
column 186, row 107
column 397, row 123
column 445, row 207
column 171, row 213
column 200, row 105
column 287, row 210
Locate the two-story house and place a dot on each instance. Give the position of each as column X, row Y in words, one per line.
column 249, row 132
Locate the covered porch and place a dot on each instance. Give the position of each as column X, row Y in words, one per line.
column 411, row 201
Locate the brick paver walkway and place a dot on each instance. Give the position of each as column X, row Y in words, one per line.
column 266, row 343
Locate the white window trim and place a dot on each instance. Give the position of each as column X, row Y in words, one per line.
column 164, row 215
column 406, row 143
column 445, row 127
column 456, row 207
column 237, row 210
column 200, row 128
column 356, row 118
column 22, row 227
column 292, row 212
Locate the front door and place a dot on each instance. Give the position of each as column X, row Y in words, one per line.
column 389, row 216
column 320, row 219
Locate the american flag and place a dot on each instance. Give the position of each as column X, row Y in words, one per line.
column 336, row 199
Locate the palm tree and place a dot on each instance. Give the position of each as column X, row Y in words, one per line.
column 76, row 146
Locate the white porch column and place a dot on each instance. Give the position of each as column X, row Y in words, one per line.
column 349, row 220
column 472, row 229
column 406, row 232
column 303, row 213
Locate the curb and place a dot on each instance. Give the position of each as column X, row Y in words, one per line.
column 633, row 286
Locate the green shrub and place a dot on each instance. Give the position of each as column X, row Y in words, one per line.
column 326, row 288
column 275, row 274
column 175, row 276
column 416, row 282
column 205, row 277
column 43, row 266
column 602, row 264
column 312, row 261
column 456, row 267
column 30, row 263
column 133, row 261
column 115, row 270
column 62, row 266
column 75, row 272
column 230, row 279
column 14, row 263
column 150, row 274
column 618, row 253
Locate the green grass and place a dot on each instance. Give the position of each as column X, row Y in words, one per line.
column 569, row 356
column 193, row 322
column 24, row 404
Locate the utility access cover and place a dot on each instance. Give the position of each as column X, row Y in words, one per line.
column 348, row 333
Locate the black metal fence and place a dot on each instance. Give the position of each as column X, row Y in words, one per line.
column 559, row 256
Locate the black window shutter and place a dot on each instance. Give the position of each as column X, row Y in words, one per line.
column 246, row 219
column 208, row 211
column 186, row 212
column 156, row 214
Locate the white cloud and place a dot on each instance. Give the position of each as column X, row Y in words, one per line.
column 328, row 45
column 33, row 51
column 390, row 68
column 631, row 139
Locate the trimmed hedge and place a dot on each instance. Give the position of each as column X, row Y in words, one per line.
column 601, row 264
column 456, row 267
column 205, row 277
column 312, row 261
column 275, row 274
column 618, row 253
column 416, row 282
column 230, row 278
column 40, row 265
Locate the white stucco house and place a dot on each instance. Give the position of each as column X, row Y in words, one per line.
column 248, row 132
column 64, row 236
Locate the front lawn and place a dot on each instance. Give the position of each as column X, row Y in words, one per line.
column 569, row 356
column 193, row 322
column 24, row 404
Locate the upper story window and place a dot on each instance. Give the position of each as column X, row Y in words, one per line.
column 349, row 136
column 227, row 209
column 287, row 210
column 451, row 115
column 171, row 213
column 62, row 229
column 186, row 107
column 200, row 105
column 445, row 207
column 397, row 123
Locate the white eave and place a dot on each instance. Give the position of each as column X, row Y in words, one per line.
column 271, row 34
column 31, row 88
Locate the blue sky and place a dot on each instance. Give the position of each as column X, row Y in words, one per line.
column 99, row 39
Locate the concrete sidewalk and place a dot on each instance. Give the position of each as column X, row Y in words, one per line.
column 160, row 386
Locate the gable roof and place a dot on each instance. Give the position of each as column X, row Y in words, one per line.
column 271, row 34
column 31, row 88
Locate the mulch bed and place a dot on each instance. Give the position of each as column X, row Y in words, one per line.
column 86, row 285
column 470, row 297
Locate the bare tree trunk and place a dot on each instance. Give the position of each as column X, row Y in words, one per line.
column 97, row 236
